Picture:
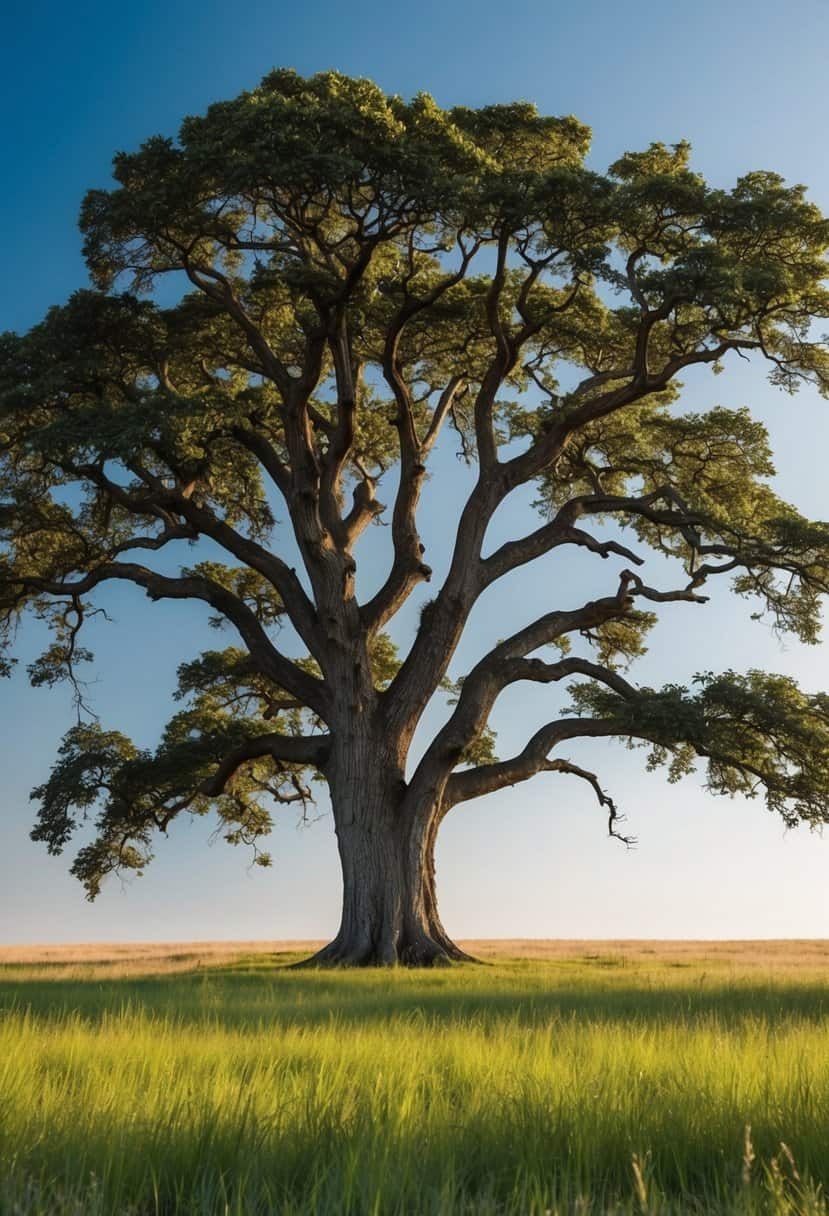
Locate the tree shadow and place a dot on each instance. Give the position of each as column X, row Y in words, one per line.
column 250, row 994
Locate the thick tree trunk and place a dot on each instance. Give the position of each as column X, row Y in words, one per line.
column 386, row 850
column 436, row 929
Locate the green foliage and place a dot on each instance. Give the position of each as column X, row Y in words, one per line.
column 707, row 475
column 618, row 642
column 384, row 659
column 481, row 749
column 248, row 586
column 758, row 732
column 133, row 794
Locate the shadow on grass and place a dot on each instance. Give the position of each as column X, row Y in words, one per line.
column 267, row 991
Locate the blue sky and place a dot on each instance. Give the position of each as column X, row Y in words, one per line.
column 745, row 82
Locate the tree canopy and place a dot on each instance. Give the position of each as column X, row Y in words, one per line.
column 355, row 276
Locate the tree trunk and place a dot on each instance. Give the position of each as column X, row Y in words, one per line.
column 389, row 912
column 436, row 929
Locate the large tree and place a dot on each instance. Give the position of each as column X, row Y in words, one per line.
column 362, row 276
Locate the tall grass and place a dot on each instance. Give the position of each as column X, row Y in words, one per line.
column 567, row 1085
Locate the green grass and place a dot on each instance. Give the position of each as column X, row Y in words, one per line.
column 593, row 1085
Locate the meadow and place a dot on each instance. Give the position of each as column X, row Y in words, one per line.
column 557, row 1078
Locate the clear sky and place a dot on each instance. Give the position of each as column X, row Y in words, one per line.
column 745, row 83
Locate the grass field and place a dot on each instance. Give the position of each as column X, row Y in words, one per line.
column 561, row 1077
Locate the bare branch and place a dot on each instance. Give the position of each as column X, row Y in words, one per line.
column 614, row 818
column 487, row 778
column 444, row 406
column 269, row 660
column 518, row 552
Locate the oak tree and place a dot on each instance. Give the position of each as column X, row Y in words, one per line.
column 355, row 278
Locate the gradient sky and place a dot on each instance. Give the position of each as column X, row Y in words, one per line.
column 745, row 83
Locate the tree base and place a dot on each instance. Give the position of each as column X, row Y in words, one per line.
column 426, row 952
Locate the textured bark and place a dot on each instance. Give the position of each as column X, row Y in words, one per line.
column 436, row 929
column 386, row 847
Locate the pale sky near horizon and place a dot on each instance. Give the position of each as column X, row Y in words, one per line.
column 745, row 83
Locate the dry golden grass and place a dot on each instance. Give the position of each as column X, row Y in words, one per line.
column 122, row 959
column 808, row 952
column 118, row 959
column 115, row 952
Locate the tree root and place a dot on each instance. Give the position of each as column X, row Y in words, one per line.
column 423, row 951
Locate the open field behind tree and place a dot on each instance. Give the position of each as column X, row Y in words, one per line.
column 152, row 958
column 592, row 1077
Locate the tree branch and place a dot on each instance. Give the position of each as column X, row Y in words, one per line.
column 269, row 660
column 164, row 503
column 518, row 552
column 289, row 749
column 505, row 664
column 614, row 818
column 487, row 778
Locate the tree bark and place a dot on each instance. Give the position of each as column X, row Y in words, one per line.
column 386, row 847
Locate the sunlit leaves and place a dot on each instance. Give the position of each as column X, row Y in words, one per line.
column 706, row 477
column 758, row 732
